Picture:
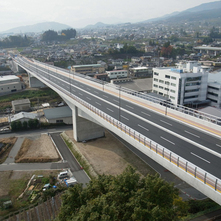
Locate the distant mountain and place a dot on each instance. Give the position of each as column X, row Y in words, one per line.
column 204, row 11
column 205, row 6
column 97, row 25
column 40, row 27
column 161, row 18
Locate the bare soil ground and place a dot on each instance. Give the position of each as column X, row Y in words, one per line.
column 37, row 150
column 7, row 144
column 109, row 156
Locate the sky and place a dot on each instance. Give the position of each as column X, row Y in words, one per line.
column 80, row 13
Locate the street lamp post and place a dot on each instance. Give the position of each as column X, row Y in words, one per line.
column 119, row 103
column 167, row 96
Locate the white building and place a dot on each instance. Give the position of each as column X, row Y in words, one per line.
column 117, row 74
column 186, row 84
column 10, row 83
column 214, row 89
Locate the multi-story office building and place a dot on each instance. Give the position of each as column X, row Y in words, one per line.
column 117, row 74
column 88, row 69
column 186, row 84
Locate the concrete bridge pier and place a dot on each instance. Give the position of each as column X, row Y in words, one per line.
column 85, row 129
column 34, row 82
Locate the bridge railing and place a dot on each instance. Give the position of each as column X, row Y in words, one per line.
column 181, row 163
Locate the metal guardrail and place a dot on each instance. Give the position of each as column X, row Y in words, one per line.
column 179, row 108
column 182, row 164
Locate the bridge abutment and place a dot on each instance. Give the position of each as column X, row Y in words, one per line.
column 84, row 129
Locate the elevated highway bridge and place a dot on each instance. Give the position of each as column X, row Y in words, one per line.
column 186, row 142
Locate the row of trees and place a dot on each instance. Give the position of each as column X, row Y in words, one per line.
column 123, row 197
column 18, row 125
column 127, row 49
column 51, row 35
column 15, row 41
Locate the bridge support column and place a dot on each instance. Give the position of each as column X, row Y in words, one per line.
column 84, row 129
column 34, row 82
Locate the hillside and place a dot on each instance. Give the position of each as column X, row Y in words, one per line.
column 39, row 27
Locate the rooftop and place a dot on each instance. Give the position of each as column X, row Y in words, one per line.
column 58, row 112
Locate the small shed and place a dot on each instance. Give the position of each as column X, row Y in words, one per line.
column 58, row 115
column 21, row 105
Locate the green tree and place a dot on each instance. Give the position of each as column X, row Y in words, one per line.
column 14, row 125
column 25, row 125
column 50, row 35
column 123, row 197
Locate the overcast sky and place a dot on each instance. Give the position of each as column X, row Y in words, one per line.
column 79, row 13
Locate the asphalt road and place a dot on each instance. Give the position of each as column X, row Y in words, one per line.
column 188, row 142
column 68, row 157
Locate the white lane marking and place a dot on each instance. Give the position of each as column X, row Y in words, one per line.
column 199, row 157
column 167, row 140
column 218, row 145
column 143, row 127
column 105, row 96
column 166, row 122
column 110, row 109
column 124, row 117
column 145, row 113
column 98, row 103
column 129, row 106
column 115, row 100
column 192, row 134
column 80, row 94
column 88, row 98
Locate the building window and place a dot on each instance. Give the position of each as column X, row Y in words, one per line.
column 189, row 97
column 167, row 82
column 161, row 81
column 212, row 100
column 172, row 91
column 154, row 91
column 166, row 89
column 167, row 76
column 194, row 79
column 174, row 78
column 59, row 121
column 160, row 87
column 155, row 73
column 155, row 79
column 215, row 88
column 214, row 94
column 193, row 84
column 155, row 85
column 171, row 97
column 193, row 90
column 160, row 93
column 172, row 84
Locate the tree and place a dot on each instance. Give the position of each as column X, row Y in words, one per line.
column 14, row 125
column 166, row 50
column 123, row 197
column 25, row 125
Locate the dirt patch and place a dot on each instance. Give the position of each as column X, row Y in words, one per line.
column 5, row 147
column 37, row 150
column 109, row 156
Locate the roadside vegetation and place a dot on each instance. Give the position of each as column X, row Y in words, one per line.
column 35, row 96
